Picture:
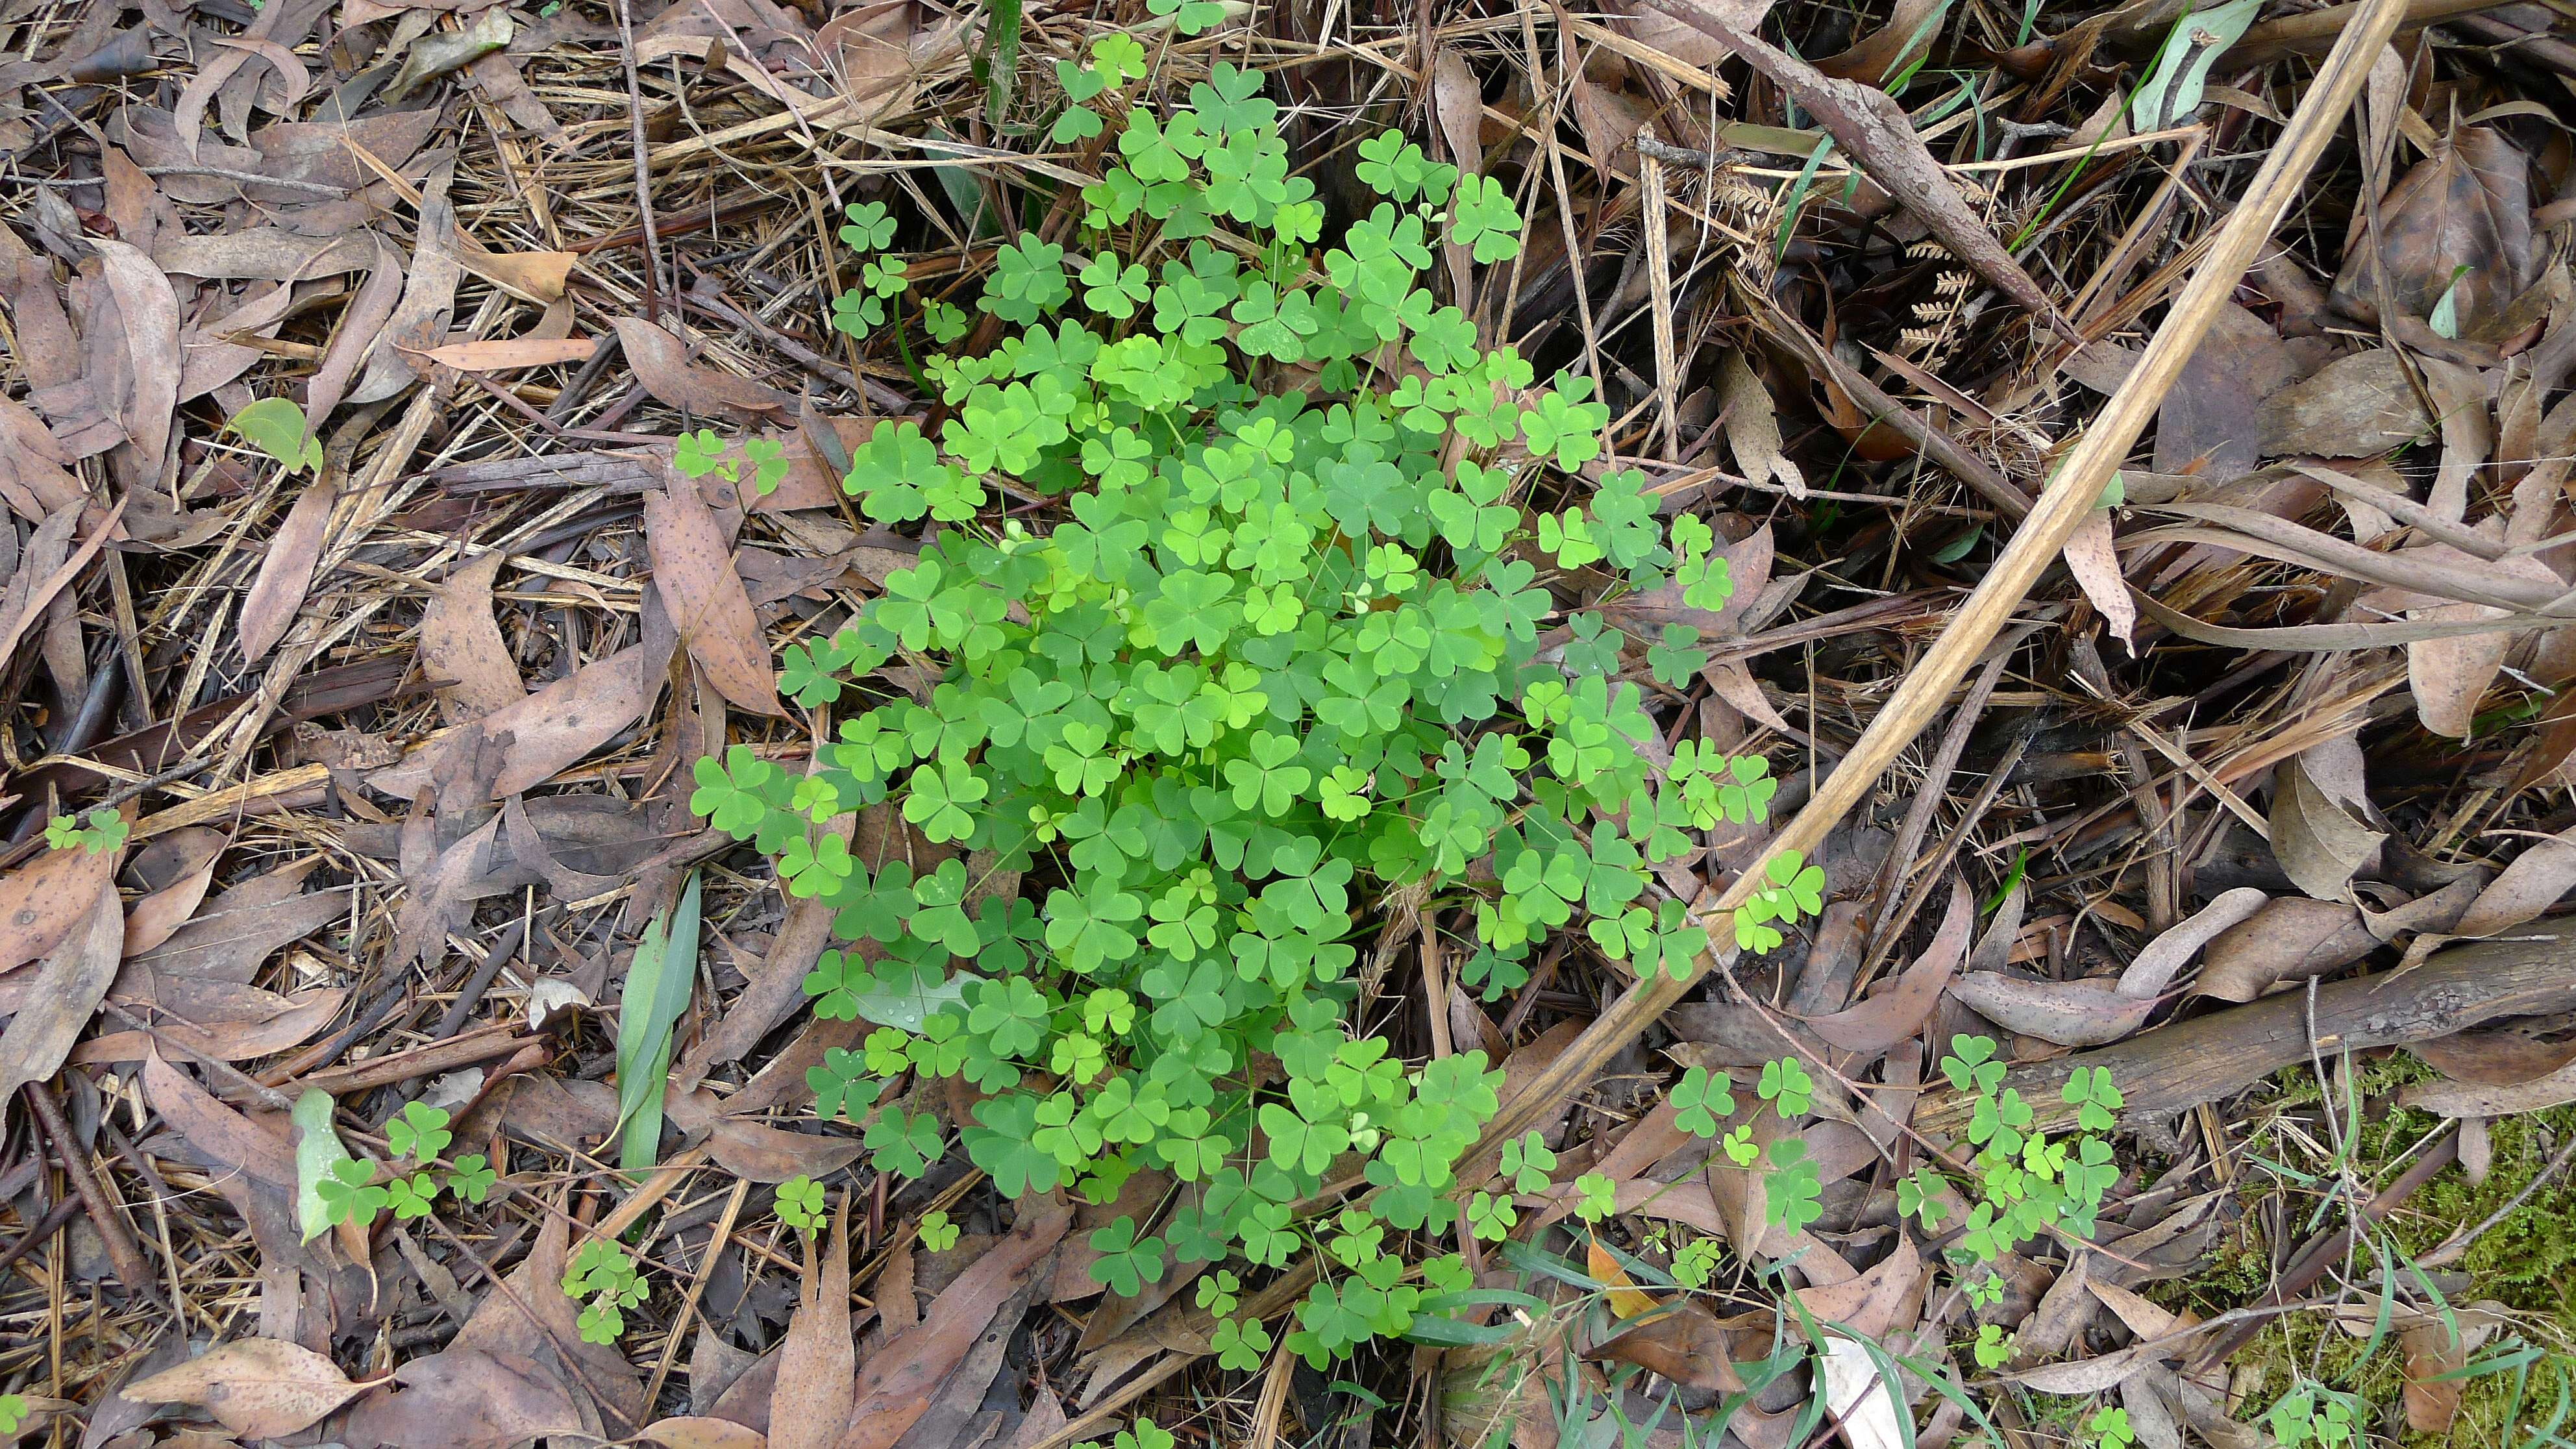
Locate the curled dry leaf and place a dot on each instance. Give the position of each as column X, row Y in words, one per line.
column 661, row 363
column 257, row 1387
column 1899, row 1012
column 2092, row 556
column 179, row 866
column 461, row 643
column 1686, row 1345
column 2319, row 843
column 2477, row 1099
column 2152, row 970
column 810, row 1405
column 2288, row 939
column 2527, row 888
column 286, row 571
column 693, row 572
column 2070, row 1013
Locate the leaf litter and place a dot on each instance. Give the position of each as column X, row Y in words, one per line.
column 394, row 723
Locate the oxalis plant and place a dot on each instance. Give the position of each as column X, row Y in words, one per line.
column 1289, row 647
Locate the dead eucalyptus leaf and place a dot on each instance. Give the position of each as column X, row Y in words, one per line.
column 2069, row 1013
column 286, row 571
column 257, row 1387
column 1895, row 1014
column 661, row 363
column 694, row 573
column 810, row 1406
column 2152, row 970
column 2319, row 844
column 460, row 642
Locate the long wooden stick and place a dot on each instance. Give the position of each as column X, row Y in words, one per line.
column 2069, row 497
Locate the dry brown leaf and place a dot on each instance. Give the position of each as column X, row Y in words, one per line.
column 810, row 1406
column 2088, row 1012
column 2495, row 1057
column 2474, row 1099
column 233, row 933
column 1753, row 429
column 2207, row 422
column 2354, row 407
column 181, row 865
column 896, row 1384
column 2288, row 939
column 1686, row 1345
column 466, row 1398
column 1899, row 1012
column 2467, row 205
column 286, row 570
column 436, row 903
column 361, row 325
column 147, row 315
column 1627, row 1300
column 501, row 354
column 2093, row 557
column 2319, row 844
column 293, row 1021
column 661, row 364
column 42, row 900
column 1907, row 33
column 1882, row 1300
column 562, row 722
column 461, row 643
column 689, row 1432
column 693, row 571
column 2433, row 1349
column 2526, row 889
column 257, row 1387
column 215, row 1131
column 2153, row 969
column 67, row 991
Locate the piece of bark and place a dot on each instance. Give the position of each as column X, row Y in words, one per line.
column 2209, row 1057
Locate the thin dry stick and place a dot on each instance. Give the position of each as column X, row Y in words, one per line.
column 2034, row 546
column 643, row 165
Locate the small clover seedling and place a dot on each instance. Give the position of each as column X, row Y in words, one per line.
column 1696, row 1262
column 349, row 1195
column 1701, row 1100
column 800, row 1204
column 1787, row 1087
column 604, row 1273
column 420, row 1133
column 472, row 1180
column 1527, row 1161
column 105, row 831
column 938, row 1234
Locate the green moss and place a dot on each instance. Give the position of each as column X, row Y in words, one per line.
column 2526, row 1262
